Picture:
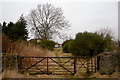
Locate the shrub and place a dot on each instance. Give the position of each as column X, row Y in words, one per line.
column 65, row 42
column 108, row 43
column 47, row 44
column 87, row 44
column 66, row 46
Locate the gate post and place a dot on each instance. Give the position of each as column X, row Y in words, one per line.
column 75, row 59
column 98, row 62
column 47, row 66
column 95, row 64
column 20, row 64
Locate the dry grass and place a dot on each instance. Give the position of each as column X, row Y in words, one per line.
column 5, row 43
column 23, row 48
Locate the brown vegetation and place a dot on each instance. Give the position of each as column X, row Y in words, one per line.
column 22, row 48
column 5, row 43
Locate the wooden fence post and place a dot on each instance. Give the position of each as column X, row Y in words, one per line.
column 16, row 61
column 47, row 66
column 75, row 64
column 98, row 63
column 19, row 62
column 95, row 61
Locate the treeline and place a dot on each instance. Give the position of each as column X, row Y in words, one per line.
column 88, row 44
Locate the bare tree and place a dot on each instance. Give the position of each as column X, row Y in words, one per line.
column 46, row 21
column 108, row 37
column 106, row 32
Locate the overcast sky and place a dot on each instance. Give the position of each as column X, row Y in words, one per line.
column 83, row 16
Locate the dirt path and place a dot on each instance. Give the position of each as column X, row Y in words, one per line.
column 12, row 74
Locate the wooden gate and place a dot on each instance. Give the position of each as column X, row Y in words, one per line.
column 56, row 65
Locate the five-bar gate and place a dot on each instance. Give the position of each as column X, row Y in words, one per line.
column 57, row 65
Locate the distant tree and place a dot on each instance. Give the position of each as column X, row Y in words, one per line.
column 66, row 46
column 108, row 43
column 87, row 44
column 66, row 42
column 21, row 26
column 46, row 21
column 107, row 34
column 47, row 44
column 105, row 31
column 16, row 31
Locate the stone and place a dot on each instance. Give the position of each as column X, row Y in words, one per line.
column 107, row 65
